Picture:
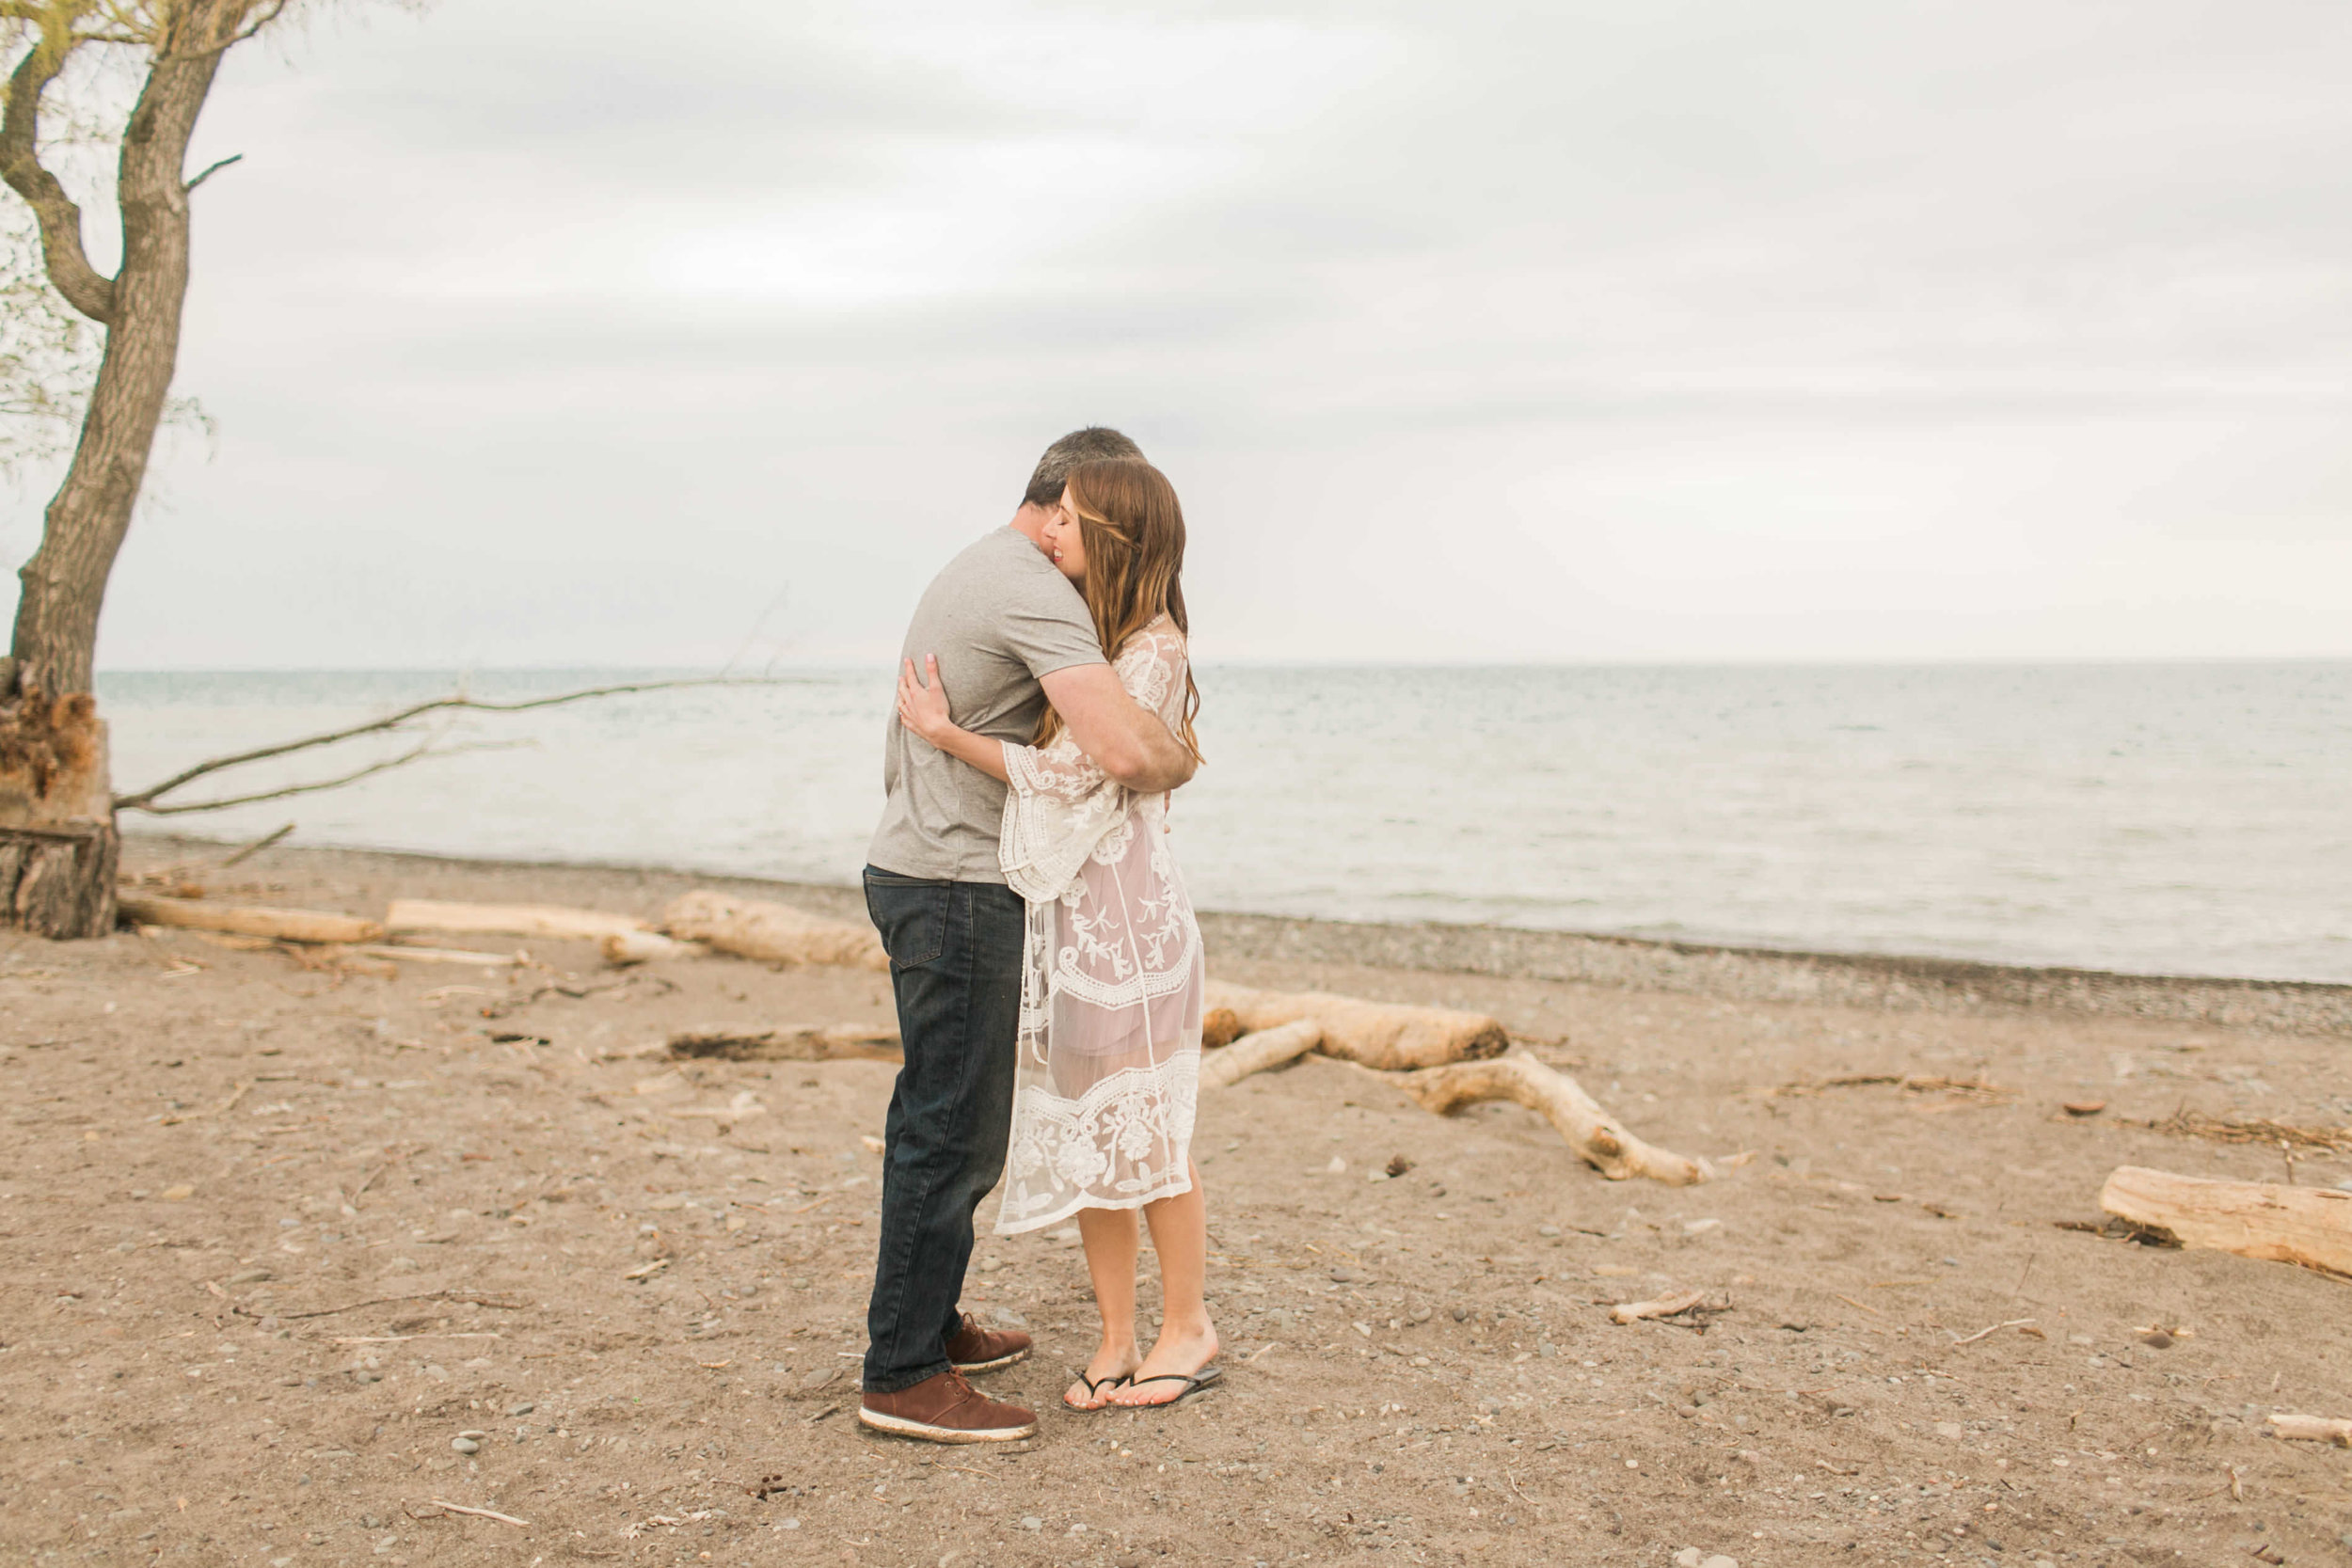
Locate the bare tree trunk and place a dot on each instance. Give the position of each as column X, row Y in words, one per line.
column 58, row 844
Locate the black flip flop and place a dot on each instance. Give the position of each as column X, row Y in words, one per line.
column 1094, row 1387
column 1204, row 1378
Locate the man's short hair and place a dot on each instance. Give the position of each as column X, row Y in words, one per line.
column 1091, row 445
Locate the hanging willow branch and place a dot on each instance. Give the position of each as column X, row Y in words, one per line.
column 147, row 799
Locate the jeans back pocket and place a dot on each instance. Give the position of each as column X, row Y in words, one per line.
column 912, row 915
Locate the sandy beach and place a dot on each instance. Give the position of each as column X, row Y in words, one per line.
column 303, row 1263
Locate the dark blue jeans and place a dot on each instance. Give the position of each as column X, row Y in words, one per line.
column 955, row 964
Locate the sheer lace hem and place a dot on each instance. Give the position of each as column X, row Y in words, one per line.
column 1176, row 1185
column 1120, row 1145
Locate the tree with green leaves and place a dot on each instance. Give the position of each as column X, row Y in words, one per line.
column 58, row 844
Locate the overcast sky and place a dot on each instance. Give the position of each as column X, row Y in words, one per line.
column 566, row 331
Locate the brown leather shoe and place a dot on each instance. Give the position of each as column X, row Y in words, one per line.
column 975, row 1349
column 946, row 1409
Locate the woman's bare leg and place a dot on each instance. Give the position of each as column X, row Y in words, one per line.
column 1112, row 1239
column 1187, row 1341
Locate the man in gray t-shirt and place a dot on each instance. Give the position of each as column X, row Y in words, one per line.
column 1000, row 619
column 1011, row 635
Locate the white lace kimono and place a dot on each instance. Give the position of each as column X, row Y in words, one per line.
column 1111, row 978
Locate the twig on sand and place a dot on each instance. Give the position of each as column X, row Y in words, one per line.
column 1988, row 1333
column 1261, row 1350
column 403, row 1339
column 822, row 1414
column 1971, row 1088
column 466, row 1298
column 2249, row 1130
column 379, row 1170
column 477, row 1513
column 244, row 1087
column 257, row 846
column 1864, row 1304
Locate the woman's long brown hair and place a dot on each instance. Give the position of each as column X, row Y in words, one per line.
column 1134, row 534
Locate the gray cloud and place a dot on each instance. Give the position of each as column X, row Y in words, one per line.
column 537, row 334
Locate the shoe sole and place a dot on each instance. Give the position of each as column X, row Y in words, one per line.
column 968, row 1367
column 899, row 1426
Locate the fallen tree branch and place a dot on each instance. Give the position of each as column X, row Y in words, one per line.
column 1599, row 1138
column 1388, row 1036
column 144, row 799
column 416, row 754
column 1256, row 1053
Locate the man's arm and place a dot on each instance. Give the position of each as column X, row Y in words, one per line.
column 1126, row 743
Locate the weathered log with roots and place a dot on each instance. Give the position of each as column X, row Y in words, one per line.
column 773, row 933
column 1599, row 1139
column 1388, row 1036
column 2310, row 1226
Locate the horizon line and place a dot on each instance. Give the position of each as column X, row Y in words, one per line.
column 839, row 665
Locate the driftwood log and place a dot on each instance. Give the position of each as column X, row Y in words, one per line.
column 1599, row 1138
column 1387, row 1036
column 1664, row 1306
column 638, row 947
column 2310, row 1226
column 1256, row 1053
column 406, row 954
column 794, row 1043
column 249, row 919
column 549, row 921
column 773, row 933
column 2315, row 1428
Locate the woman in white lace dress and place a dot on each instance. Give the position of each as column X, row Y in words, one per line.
column 1109, row 1062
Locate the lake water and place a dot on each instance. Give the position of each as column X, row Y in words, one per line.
column 2192, row 819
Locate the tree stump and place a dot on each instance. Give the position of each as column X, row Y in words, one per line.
column 59, row 845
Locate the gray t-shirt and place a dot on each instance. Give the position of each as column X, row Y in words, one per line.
column 1000, row 617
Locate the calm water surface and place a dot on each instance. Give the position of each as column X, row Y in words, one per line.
column 2160, row 819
